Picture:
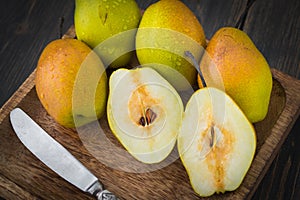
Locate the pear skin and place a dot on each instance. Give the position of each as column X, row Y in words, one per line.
column 96, row 21
column 233, row 63
column 167, row 29
column 71, row 82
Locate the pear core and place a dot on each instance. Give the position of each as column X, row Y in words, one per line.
column 147, row 118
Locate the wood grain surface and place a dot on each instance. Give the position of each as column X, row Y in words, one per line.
column 30, row 25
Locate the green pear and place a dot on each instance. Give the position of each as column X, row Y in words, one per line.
column 71, row 82
column 167, row 29
column 234, row 64
column 112, row 22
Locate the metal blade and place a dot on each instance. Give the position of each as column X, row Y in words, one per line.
column 50, row 152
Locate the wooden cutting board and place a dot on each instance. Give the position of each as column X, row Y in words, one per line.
column 22, row 176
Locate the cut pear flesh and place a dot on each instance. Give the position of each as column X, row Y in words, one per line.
column 144, row 112
column 216, row 143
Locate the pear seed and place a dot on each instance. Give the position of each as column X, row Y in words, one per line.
column 150, row 116
column 212, row 139
column 142, row 121
column 148, row 119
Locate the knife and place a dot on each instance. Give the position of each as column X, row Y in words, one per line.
column 55, row 156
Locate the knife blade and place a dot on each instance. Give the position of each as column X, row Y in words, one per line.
column 55, row 156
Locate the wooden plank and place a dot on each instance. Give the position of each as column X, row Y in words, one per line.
column 214, row 14
column 276, row 19
column 282, row 179
column 29, row 26
column 10, row 190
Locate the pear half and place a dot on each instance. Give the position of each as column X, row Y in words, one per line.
column 144, row 112
column 216, row 143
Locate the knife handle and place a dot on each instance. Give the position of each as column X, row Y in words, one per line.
column 105, row 195
column 98, row 191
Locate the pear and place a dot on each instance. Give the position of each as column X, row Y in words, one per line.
column 113, row 22
column 144, row 113
column 234, row 64
column 216, row 143
column 71, row 82
column 167, row 29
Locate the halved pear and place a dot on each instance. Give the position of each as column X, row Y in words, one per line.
column 144, row 112
column 216, row 143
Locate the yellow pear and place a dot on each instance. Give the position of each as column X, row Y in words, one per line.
column 167, row 29
column 234, row 64
column 112, row 22
column 71, row 82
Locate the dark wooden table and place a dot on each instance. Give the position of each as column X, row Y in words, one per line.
column 274, row 26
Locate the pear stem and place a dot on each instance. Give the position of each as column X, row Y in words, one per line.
column 190, row 55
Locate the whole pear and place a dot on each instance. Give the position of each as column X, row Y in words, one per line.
column 167, row 29
column 71, row 82
column 233, row 63
column 114, row 21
